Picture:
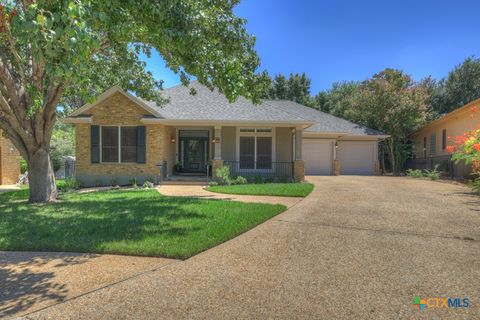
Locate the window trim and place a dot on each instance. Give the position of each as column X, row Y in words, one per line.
column 256, row 134
column 119, row 132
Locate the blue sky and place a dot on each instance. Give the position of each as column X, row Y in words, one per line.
column 338, row 40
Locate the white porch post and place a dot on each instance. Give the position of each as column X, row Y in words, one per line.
column 218, row 143
column 298, row 143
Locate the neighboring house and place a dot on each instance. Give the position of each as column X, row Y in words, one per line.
column 121, row 137
column 432, row 140
column 9, row 161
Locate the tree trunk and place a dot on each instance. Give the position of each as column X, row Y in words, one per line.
column 41, row 178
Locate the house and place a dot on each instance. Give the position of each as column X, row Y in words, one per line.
column 121, row 137
column 9, row 161
column 431, row 141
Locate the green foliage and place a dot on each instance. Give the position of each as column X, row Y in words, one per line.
column 136, row 222
column 67, row 185
column 416, row 173
column 148, row 185
column 475, row 184
column 338, row 100
column 433, row 174
column 223, row 174
column 393, row 103
column 267, row 189
column 133, row 183
column 239, row 180
column 461, row 86
column 23, row 166
column 295, row 88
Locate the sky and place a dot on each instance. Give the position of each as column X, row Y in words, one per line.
column 335, row 40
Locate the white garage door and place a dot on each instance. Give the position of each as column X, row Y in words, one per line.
column 318, row 156
column 356, row 157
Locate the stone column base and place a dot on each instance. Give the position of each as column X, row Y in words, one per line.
column 299, row 170
column 376, row 168
column 336, row 167
column 215, row 165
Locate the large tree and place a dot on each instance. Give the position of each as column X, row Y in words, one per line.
column 391, row 102
column 461, row 86
column 55, row 52
column 338, row 99
column 294, row 88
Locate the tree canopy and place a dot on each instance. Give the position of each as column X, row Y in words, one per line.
column 55, row 52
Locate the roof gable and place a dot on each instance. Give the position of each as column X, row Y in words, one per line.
column 109, row 93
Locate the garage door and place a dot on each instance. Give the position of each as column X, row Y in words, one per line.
column 356, row 157
column 318, row 156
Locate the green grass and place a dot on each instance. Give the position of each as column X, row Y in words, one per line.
column 136, row 222
column 267, row 189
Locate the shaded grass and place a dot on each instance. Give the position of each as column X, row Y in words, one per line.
column 136, row 222
column 267, row 189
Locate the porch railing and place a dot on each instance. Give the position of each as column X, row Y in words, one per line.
column 261, row 171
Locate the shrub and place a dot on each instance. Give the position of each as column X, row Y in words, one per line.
column 68, row 184
column 23, row 166
column 432, row 174
column 475, row 184
column 223, row 174
column 148, row 185
column 258, row 179
column 416, row 173
column 213, row 183
column 240, row 180
column 133, row 182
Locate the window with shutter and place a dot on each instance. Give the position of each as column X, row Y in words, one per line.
column 95, row 143
column 433, row 144
column 444, row 139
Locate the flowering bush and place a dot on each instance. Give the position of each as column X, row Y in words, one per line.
column 467, row 148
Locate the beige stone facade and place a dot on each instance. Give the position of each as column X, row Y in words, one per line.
column 9, row 162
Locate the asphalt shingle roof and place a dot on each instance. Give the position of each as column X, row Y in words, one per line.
column 212, row 105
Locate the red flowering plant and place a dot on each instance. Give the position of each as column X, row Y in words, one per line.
column 467, row 148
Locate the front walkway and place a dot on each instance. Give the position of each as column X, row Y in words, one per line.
column 355, row 248
column 5, row 188
column 197, row 191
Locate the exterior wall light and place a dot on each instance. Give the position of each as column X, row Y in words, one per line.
column 336, row 145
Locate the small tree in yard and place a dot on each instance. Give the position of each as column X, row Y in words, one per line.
column 53, row 52
column 393, row 103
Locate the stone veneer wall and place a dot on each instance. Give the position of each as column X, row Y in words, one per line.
column 9, row 161
column 114, row 111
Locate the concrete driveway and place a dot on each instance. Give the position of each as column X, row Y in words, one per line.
column 356, row 248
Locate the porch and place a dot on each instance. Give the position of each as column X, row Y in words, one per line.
column 258, row 153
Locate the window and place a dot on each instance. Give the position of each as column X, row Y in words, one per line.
column 129, row 144
column 444, row 139
column 255, row 148
column 120, row 144
column 247, row 152
column 433, row 144
column 109, row 144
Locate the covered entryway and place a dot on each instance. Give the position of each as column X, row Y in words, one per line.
column 193, row 150
column 318, row 156
column 356, row 157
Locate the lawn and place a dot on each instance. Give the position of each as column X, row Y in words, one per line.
column 267, row 189
column 136, row 222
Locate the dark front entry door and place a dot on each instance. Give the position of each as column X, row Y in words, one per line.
column 193, row 150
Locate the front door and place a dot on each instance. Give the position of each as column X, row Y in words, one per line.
column 193, row 150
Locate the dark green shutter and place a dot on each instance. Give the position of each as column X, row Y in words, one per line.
column 141, row 144
column 95, row 143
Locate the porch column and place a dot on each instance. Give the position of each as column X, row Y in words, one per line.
column 217, row 157
column 218, row 143
column 298, row 164
column 298, row 143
